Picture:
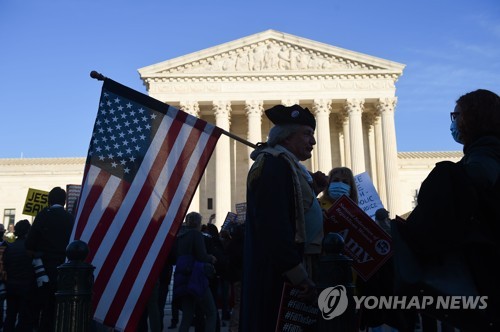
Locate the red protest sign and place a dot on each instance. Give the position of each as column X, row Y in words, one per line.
column 366, row 242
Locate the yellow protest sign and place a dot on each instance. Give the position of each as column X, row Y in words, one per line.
column 36, row 201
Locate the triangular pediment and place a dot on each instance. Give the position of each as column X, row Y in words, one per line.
column 271, row 52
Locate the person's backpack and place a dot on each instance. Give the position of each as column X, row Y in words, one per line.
column 448, row 243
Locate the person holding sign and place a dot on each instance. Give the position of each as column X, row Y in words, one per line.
column 283, row 217
column 340, row 182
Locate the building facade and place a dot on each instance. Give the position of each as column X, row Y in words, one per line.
column 352, row 95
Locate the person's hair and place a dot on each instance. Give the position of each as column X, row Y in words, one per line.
column 21, row 228
column 381, row 214
column 193, row 220
column 281, row 132
column 213, row 230
column 347, row 172
column 57, row 196
column 479, row 115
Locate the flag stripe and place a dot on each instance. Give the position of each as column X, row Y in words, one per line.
column 140, row 258
column 167, row 176
column 95, row 234
column 162, row 254
column 79, row 205
column 125, row 208
column 91, row 190
column 146, row 179
column 145, row 161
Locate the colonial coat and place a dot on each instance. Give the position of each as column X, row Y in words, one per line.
column 272, row 254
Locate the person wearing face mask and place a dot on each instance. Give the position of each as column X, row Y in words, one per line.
column 457, row 210
column 340, row 182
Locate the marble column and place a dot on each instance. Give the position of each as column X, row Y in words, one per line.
column 338, row 119
column 346, row 139
column 379, row 153
column 222, row 112
column 322, row 109
column 386, row 107
column 369, row 119
column 254, row 112
column 193, row 108
column 354, row 109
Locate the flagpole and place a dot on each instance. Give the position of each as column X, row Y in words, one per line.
column 239, row 139
column 100, row 77
column 97, row 76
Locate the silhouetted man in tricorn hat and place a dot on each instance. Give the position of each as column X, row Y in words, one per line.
column 283, row 217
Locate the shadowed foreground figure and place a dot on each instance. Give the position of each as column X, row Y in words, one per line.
column 457, row 213
column 283, row 218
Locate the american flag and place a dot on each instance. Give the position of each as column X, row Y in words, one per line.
column 144, row 163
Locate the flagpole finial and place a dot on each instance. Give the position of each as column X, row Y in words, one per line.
column 97, row 76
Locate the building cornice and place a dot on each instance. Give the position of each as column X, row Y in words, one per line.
column 431, row 155
column 41, row 161
column 276, row 76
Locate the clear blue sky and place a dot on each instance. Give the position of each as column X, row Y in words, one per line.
column 48, row 102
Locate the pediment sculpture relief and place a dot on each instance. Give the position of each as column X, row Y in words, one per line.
column 268, row 56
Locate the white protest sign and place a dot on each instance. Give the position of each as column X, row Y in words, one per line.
column 368, row 198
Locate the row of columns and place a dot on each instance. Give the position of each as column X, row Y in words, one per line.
column 381, row 144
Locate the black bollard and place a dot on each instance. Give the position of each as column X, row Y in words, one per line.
column 74, row 290
column 335, row 270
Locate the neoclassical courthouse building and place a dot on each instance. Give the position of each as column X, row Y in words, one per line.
column 352, row 95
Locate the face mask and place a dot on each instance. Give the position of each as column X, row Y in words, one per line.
column 455, row 133
column 337, row 189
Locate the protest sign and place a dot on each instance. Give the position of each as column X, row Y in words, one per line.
column 295, row 314
column 241, row 211
column 368, row 198
column 366, row 242
column 36, row 201
column 231, row 218
column 72, row 195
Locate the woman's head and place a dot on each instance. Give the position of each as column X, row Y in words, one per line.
column 212, row 230
column 341, row 181
column 477, row 115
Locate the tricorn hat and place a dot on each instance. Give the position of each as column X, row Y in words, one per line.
column 281, row 114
